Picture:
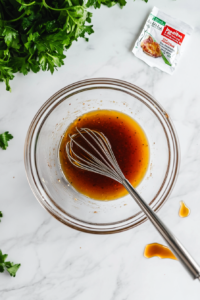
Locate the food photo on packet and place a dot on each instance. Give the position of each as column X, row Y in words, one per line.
column 107, row 142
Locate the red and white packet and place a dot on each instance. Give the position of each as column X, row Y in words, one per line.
column 162, row 41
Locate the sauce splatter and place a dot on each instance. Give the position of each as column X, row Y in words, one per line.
column 158, row 250
column 184, row 211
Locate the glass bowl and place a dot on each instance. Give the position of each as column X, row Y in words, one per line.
column 43, row 171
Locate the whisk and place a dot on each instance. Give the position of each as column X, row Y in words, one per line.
column 105, row 163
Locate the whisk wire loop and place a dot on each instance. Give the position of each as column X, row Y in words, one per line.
column 95, row 162
column 99, row 141
column 105, row 165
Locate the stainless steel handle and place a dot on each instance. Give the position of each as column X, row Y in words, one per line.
column 177, row 248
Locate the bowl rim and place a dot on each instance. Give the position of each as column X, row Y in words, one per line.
column 83, row 84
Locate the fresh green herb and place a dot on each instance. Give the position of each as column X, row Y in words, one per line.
column 4, row 138
column 7, row 265
column 35, row 34
column 109, row 3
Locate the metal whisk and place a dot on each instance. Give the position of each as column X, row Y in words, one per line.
column 105, row 163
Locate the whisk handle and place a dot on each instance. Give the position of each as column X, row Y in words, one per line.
column 178, row 249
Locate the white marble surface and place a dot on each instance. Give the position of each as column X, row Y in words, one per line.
column 59, row 262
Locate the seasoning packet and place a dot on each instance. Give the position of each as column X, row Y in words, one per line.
column 162, row 41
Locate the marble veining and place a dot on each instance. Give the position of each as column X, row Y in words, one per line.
column 59, row 262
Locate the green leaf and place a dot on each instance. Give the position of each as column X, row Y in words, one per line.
column 34, row 66
column 4, row 138
column 43, row 61
column 1, row 215
column 50, row 62
column 81, row 31
column 9, row 266
column 95, row 3
column 108, row 3
column 12, row 270
column 33, row 37
column 57, row 59
column 78, row 14
column 123, row 3
column 11, row 37
column 6, row 74
column 24, row 65
column 2, row 257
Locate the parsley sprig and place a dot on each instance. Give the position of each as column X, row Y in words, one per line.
column 4, row 138
column 7, row 265
column 35, row 34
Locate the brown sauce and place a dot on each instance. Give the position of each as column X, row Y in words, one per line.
column 184, row 211
column 129, row 144
column 158, row 250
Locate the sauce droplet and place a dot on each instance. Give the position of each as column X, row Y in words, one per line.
column 184, row 211
column 158, row 250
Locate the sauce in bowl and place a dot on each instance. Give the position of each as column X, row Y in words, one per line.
column 129, row 144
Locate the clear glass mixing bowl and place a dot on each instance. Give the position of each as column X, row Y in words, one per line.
column 46, row 180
